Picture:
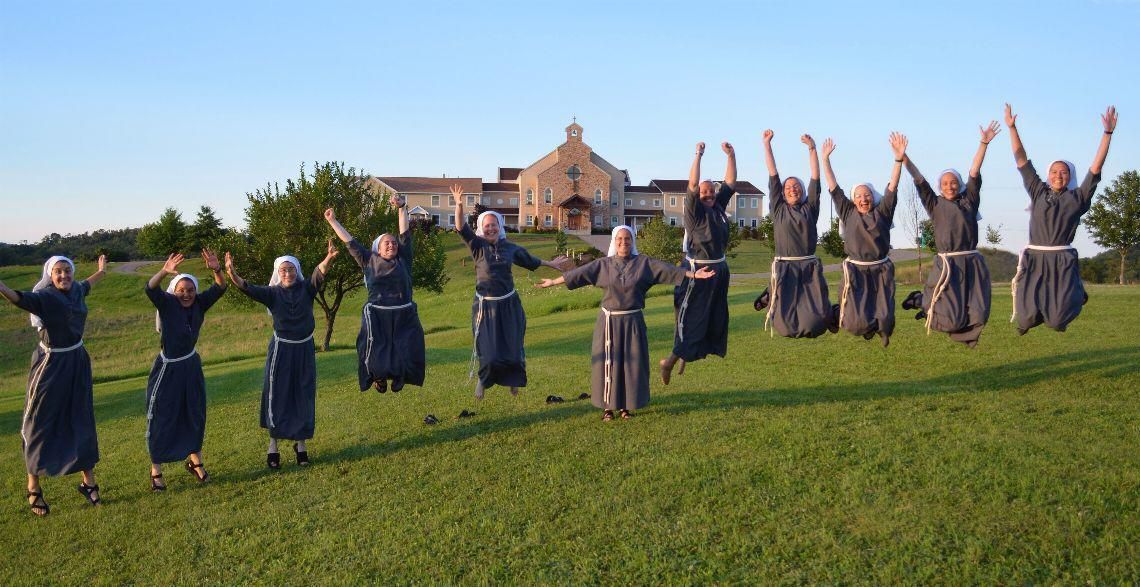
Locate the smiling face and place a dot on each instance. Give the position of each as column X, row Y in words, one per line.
column 948, row 185
column 388, row 247
column 708, row 194
column 490, row 227
column 61, row 275
column 793, row 193
column 287, row 273
column 1059, row 176
column 864, row 199
column 623, row 242
column 185, row 292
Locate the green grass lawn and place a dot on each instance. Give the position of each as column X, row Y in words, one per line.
column 790, row 461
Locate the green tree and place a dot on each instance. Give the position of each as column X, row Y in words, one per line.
column 993, row 234
column 831, row 240
column 207, row 228
column 428, row 269
column 560, row 242
column 1114, row 219
column 734, row 238
column 926, row 235
column 659, row 240
column 166, row 236
column 766, row 232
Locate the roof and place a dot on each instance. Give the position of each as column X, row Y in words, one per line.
column 433, row 185
column 643, row 212
column 576, row 201
column 642, row 189
column 746, row 188
column 508, row 211
column 501, row 187
column 681, row 186
column 509, row 173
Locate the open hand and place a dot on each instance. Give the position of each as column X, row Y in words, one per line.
column 211, row 260
column 172, row 263
column 807, row 140
column 1109, row 119
column 828, row 147
column 1010, row 117
column 545, row 283
column 229, row 262
column 333, row 251
column 103, row 258
column 898, row 144
column 988, row 133
column 704, row 273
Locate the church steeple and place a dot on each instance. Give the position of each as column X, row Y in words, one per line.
column 574, row 131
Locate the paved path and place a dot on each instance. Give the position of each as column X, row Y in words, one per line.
column 130, row 266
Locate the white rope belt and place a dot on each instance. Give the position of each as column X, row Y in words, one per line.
column 153, row 395
column 54, row 349
column 943, row 282
column 478, row 324
column 286, row 340
column 773, row 287
column 689, row 291
column 847, row 281
column 34, row 382
column 368, row 323
column 273, row 369
column 609, row 340
column 1021, row 269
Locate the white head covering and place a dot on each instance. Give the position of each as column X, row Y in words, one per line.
column 45, row 282
column 376, row 243
column 632, row 241
column 275, row 279
column 961, row 187
column 499, row 217
column 170, row 289
column 803, row 188
column 876, row 197
column 1072, row 173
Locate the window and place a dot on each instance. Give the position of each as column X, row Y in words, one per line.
column 574, row 173
column 435, row 218
column 435, row 201
column 597, row 220
column 598, row 196
column 628, row 202
column 641, row 203
column 672, row 221
column 470, row 200
column 486, row 200
column 498, row 201
column 451, row 219
column 549, row 221
column 529, row 196
column 514, row 201
column 548, row 196
column 613, row 221
column 656, row 202
column 755, row 203
column 451, row 201
column 741, row 222
column 672, row 201
column 753, row 223
column 530, row 219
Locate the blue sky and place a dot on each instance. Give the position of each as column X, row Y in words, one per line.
column 113, row 111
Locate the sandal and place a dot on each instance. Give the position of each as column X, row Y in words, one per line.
column 626, row 414
column 397, row 384
column 302, row 456
column 607, row 415
column 198, row 471
column 90, row 492
column 273, row 460
column 762, row 301
column 583, row 395
column 431, row 420
column 554, row 399
column 381, row 385
column 154, row 483
column 911, row 301
column 38, row 505
column 464, row 414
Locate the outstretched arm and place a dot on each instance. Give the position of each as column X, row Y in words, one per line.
column 9, row 294
column 695, row 170
column 730, row 169
column 1019, row 155
column 988, row 134
column 216, row 268
column 168, row 268
column 338, row 228
column 101, row 273
column 551, row 282
column 813, row 156
column 234, row 277
column 898, row 145
column 828, row 149
column 1109, row 120
column 769, row 157
column 457, row 195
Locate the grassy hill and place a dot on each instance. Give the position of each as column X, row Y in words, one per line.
column 829, row 460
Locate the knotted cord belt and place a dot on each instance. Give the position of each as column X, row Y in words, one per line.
column 1021, row 269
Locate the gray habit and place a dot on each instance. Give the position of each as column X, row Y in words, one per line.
column 799, row 306
column 1048, row 284
column 868, row 305
column 702, row 304
column 176, row 391
column 626, row 281
column 391, row 340
column 499, row 326
column 58, row 428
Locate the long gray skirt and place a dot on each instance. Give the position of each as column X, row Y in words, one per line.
column 1049, row 289
column 176, row 409
column 289, row 390
column 390, row 346
column 58, row 428
column 869, row 305
column 702, row 327
column 499, row 344
column 963, row 305
column 800, row 305
column 629, row 363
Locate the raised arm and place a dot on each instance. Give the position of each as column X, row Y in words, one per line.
column 1109, row 120
column 898, row 145
column 100, row 274
column 401, row 205
column 813, row 156
column 215, row 268
column 1019, row 155
column 234, row 277
column 730, row 168
column 828, row 149
column 912, row 169
column 988, row 134
column 323, row 268
column 168, row 268
column 769, row 157
column 338, row 228
column 695, row 170
column 457, row 195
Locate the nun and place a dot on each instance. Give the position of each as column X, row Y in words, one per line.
column 498, row 323
column 619, row 378
column 1047, row 288
column 956, row 297
column 176, row 388
column 796, row 297
column 390, row 345
column 289, row 389
column 701, row 306
column 58, row 426
column 867, row 301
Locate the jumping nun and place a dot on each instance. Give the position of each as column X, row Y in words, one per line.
column 867, row 301
column 701, row 306
column 797, row 297
column 956, row 298
column 176, row 388
column 391, row 340
column 498, row 323
column 620, row 352
column 58, row 427
column 289, row 390
column 1047, row 288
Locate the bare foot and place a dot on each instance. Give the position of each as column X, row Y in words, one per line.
column 514, row 390
column 478, row 391
column 666, row 370
column 681, row 371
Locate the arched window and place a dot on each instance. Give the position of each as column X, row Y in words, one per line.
column 598, row 196
column 529, row 196
column 548, row 196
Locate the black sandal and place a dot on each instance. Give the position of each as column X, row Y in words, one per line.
column 198, row 471
column 911, row 301
column 89, row 492
column 397, row 384
column 381, row 385
column 154, row 484
column 583, row 395
column 273, row 460
column 302, row 456
column 608, row 416
column 431, row 420
column 38, row 505
column 554, row 399
column 626, row 414
column 762, row 301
